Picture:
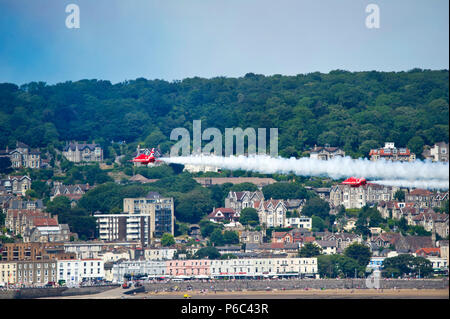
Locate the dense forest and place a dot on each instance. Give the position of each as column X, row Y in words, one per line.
column 354, row 110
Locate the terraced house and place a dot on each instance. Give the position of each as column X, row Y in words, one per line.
column 358, row 197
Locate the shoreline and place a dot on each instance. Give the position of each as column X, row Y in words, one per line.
column 311, row 293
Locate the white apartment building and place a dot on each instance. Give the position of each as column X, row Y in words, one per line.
column 264, row 267
column 142, row 220
column 75, row 271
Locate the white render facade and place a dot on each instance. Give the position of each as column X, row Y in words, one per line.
column 299, row 222
column 75, row 271
column 159, row 253
column 264, row 266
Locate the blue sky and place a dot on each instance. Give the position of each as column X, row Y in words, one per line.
column 122, row 40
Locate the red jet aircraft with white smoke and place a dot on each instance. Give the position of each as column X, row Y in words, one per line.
column 147, row 157
column 355, row 182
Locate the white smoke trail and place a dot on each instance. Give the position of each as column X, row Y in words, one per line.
column 339, row 167
column 425, row 184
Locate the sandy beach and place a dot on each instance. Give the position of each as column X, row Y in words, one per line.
column 306, row 294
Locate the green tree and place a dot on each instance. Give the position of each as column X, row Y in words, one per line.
column 284, row 191
column 316, row 206
column 360, row 252
column 310, row 250
column 167, row 240
column 406, row 264
column 230, row 237
column 249, row 216
column 318, row 223
column 5, row 165
column 216, row 237
column 416, row 144
column 207, row 252
column 244, row 187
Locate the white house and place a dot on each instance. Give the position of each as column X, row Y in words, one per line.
column 76, row 271
column 299, row 222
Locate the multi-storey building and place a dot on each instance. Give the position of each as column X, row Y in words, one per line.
column 45, row 230
column 143, row 220
column 437, row 153
column 390, row 153
column 195, row 267
column 160, row 209
column 423, row 198
column 259, row 267
column 19, row 221
column 94, row 249
column 34, row 252
column 326, row 152
column 82, row 152
column 240, row 200
column 357, row 197
column 431, row 221
column 159, row 253
column 36, row 272
column 150, row 268
column 8, row 272
column 271, row 213
column 24, row 157
column 75, row 271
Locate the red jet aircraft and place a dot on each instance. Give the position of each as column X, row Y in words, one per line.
column 147, row 157
column 355, row 182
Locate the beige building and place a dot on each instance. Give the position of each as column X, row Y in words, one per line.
column 437, row 153
column 159, row 253
column 7, row 272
